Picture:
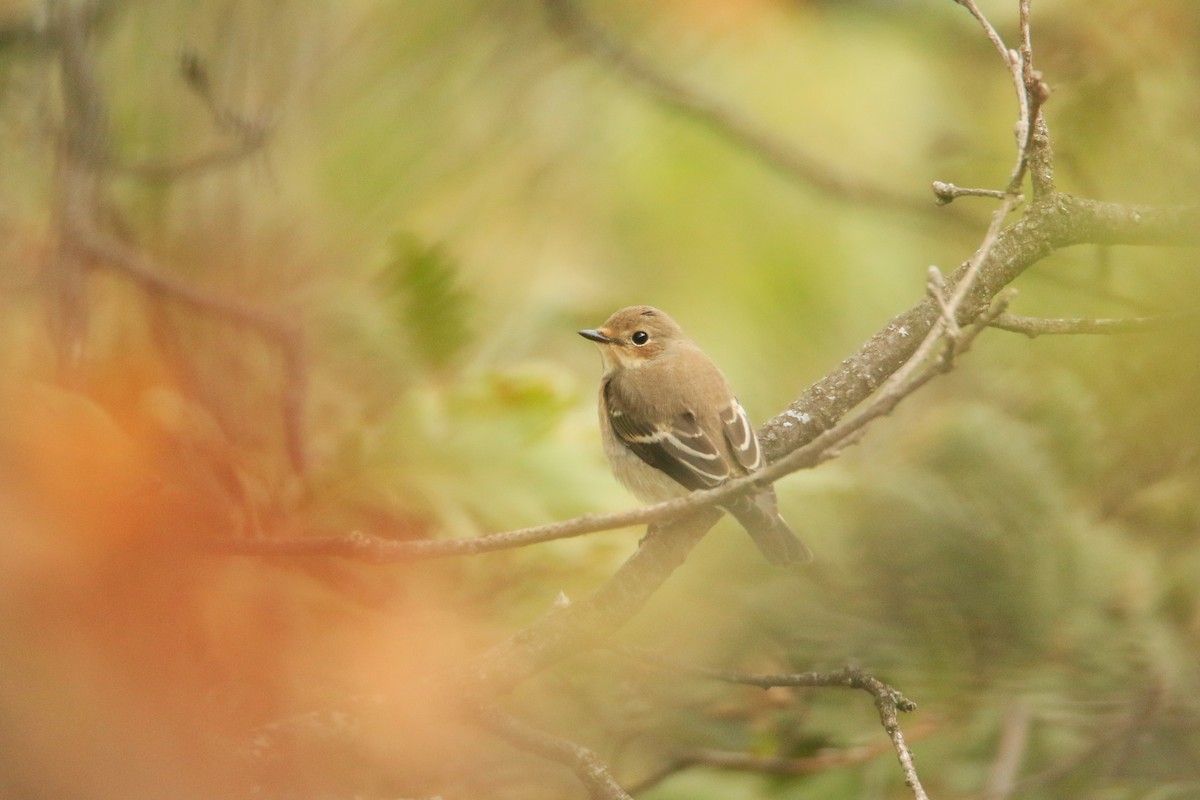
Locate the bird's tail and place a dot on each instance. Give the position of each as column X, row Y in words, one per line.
column 758, row 514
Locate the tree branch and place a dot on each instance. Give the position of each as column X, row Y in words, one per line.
column 84, row 155
column 1014, row 741
column 288, row 338
column 252, row 135
column 167, row 171
column 1034, row 327
column 912, row 349
column 823, row 761
column 1048, row 224
column 1115, row 734
column 84, row 143
column 378, row 549
column 947, row 193
column 1039, row 155
column 569, row 20
column 888, row 701
column 591, row 770
column 572, row 627
column 1034, row 154
column 805, row 431
column 889, row 360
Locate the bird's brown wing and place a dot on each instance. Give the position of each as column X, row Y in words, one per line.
column 739, row 433
column 680, row 448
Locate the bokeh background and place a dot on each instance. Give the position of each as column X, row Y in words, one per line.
column 449, row 191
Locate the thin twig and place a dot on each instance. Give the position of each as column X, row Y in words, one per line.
column 252, row 135
column 166, row 171
column 377, row 549
column 82, row 243
column 966, row 282
column 899, row 383
column 1039, row 155
column 1014, row 741
column 907, row 379
column 1033, row 142
column 888, row 701
column 570, row 627
column 195, row 75
column 947, row 192
column 591, row 770
column 825, row 760
column 1051, row 223
column 569, row 19
column 987, row 26
column 935, row 288
column 383, row 550
column 1145, row 706
column 847, row 677
column 1040, row 326
column 1014, row 62
column 823, row 434
column 76, row 195
column 152, row 277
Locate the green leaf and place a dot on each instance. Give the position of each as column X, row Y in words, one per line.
column 421, row 280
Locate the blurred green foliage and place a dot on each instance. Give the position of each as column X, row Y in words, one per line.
column 421, row 281
column 450, row 191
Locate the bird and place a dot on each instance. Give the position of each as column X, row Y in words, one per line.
column 671, row 425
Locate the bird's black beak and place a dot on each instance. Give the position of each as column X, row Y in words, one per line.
column 595, row 336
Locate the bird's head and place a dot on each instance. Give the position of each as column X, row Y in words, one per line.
column 634, row 336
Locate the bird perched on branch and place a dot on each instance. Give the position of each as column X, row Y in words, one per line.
column 671, row 425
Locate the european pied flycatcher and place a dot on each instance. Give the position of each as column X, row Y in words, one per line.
column 671, row 425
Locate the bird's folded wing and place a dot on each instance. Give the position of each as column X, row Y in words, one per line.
column 678, row 446
column 740, row 435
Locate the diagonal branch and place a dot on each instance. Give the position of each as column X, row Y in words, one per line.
column 1034, row 327
column 1014, row 742
column 1020, row 68
column 251, row 135
column 893, row 363
column 571, row 627
column 890, row 366
column 377, row 549
column 825, row 760
column 947, row 192
column 84, row 156
column 569, row 20
column 286, row 337
column 1033, row 142
column 913, row 349
column 1048, row 224
column 888, row 701
column 592, row 772
column 804, row 432
column 167, row 171
column 83, row 143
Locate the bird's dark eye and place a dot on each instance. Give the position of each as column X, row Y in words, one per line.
column 640, row 338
